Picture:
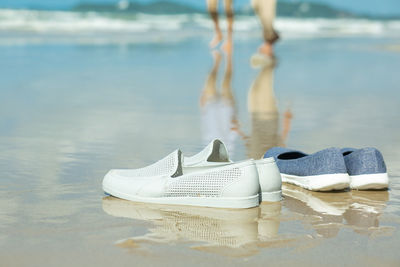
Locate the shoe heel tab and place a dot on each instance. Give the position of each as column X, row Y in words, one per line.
column 365, row 161
column 370, row 152
column 375, row 154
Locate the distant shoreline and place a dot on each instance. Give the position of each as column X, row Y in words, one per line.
column 284, row 9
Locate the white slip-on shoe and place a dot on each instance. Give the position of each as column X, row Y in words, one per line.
column 213, row 155
column 234, row 185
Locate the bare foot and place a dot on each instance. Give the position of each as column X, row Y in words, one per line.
column 266, row 49
column 216, row 40
column 217, row 57
column 228, row 47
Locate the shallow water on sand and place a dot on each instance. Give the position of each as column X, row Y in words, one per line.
column 69, row 113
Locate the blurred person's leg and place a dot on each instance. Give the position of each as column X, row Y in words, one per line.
column 266, row 10
column 229, row 18
column 210, row 87
column 213, row 11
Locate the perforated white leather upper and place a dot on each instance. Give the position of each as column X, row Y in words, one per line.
column 204, row 184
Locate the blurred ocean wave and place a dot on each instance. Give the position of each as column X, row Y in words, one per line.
column 24, row 26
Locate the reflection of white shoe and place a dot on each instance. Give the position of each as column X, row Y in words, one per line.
column 217, row 227
column 268, row 222
column 234, row 185
column 214, row 156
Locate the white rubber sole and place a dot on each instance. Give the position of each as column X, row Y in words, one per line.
column 271, row 196
column 323, row 182
column 214, row 202
column 369, row 181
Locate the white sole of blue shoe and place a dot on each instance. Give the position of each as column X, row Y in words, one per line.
column 214, row 202
column 323, row 182
column 374, row 181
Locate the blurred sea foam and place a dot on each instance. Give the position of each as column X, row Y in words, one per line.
column 34, row 26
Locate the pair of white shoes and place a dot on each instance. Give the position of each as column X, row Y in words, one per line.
column 208, row 179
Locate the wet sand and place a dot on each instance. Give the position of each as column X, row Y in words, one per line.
column 393, row 47
column 69, row 113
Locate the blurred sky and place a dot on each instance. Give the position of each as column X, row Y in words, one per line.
column 374, row 7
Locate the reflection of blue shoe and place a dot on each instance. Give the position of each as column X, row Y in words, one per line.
column 366, row 168
column 322, row 171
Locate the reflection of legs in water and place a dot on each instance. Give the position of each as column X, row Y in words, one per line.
column 227, row 94
column 213, row 11
column 264, row 114
column 287, row 118
column 261, row 95
column 265, row 10
column 228, row 45
column 210, row 88
column 218, row 114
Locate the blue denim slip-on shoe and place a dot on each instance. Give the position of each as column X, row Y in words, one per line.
column 322, row 171
column 366, row 168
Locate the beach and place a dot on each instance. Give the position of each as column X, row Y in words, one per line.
column 74, row 105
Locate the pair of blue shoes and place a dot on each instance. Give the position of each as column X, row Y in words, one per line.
column 332, row 168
